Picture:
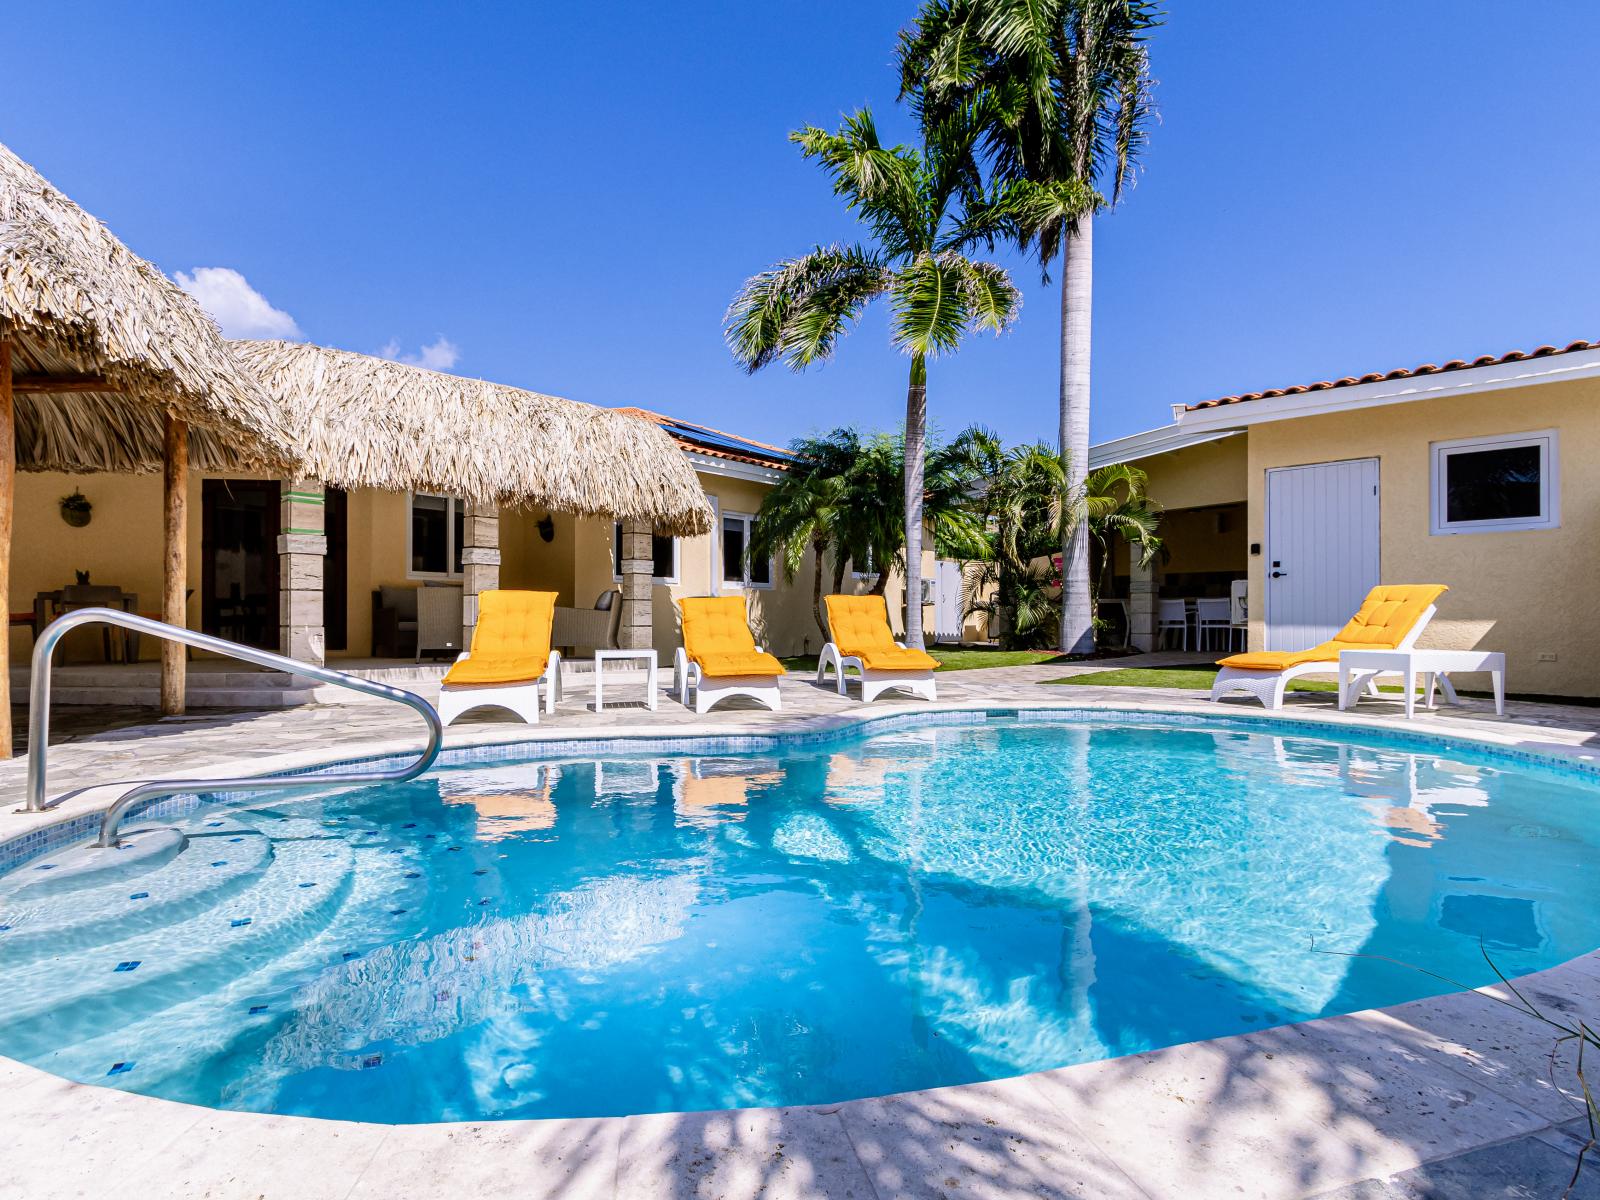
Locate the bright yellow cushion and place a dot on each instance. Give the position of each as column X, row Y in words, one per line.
column 717, row 636
column 859, row 626
column 512, row 641
column 1386, row 616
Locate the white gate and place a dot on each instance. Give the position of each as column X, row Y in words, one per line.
column 1322, row 549
column 947, row 616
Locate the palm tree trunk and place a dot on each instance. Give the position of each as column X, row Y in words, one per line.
column 916, row 455
column 1077, row 303
column 819, row 548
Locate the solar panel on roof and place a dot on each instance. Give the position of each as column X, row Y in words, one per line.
column 719, row 441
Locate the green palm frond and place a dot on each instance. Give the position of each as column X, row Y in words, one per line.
column 797, row 311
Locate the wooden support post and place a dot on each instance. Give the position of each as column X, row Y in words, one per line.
column 175, row 532
column 8, row 477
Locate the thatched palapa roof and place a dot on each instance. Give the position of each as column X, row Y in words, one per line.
column 368, row 422
column 81, row 308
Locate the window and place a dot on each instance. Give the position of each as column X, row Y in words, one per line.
column 736, row 571
column 1484, row 485
column 437, row 529
column 663, row 555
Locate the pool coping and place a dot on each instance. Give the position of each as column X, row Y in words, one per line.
column 1414, row 1082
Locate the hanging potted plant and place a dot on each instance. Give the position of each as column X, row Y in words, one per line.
column 76, row 509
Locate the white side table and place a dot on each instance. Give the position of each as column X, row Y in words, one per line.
column 646, row 658
column 1357, row 668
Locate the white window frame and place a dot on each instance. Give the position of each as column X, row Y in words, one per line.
column 1548, row 442
column 616, row 551
column 452, row 504
column 744, row 580
column 869, row 573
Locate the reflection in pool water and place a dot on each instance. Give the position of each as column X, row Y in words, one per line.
column 921, row 907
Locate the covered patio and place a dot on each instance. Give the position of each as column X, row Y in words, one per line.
column 106, row 366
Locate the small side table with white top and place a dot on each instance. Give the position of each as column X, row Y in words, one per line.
column 1357, row 668
column 646, row 658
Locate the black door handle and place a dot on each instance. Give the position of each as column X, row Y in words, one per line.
column 1279, row 574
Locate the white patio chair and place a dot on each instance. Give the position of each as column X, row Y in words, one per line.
column 1172, row 616
column 1213, row 618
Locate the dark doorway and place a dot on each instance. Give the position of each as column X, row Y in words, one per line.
column 336, row 570
column 239, row 560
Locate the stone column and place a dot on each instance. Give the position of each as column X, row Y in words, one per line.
column 638, row 564
column 480, row 562
column 302, row 552
column 1142, row 589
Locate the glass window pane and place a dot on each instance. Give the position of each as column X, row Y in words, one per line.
column 661, row 553
column 733, row 542
column 460, row 525
column 1497, row 484
column 430, row 548
column 761, row 570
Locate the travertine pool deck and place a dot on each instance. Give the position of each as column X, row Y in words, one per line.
column 1455, row 1096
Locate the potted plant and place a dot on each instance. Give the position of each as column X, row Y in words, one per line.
column 76, row 509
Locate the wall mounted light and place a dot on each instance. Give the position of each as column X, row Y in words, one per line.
column 547, row 528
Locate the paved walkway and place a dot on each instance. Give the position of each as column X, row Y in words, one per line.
column 1454, row 1097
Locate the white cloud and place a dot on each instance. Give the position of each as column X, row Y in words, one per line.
column 242, row 311
column 438, row 355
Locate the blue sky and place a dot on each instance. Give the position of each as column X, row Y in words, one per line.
column 565, row 197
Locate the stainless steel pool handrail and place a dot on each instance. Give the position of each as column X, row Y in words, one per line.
column 39, row 717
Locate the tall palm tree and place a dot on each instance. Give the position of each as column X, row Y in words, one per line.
column 1065, row 89
column 926, row 212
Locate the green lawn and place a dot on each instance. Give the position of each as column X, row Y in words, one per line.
column 1197, row 679
column 966, row 659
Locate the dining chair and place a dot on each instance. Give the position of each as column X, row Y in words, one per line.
column 1213, row 617
column 1172, row 616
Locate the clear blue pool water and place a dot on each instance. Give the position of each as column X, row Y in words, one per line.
column 920, row 907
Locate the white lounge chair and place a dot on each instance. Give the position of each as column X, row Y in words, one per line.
column 861, row 640
column 509, row 660
column 719, row 657
column 1391, row 617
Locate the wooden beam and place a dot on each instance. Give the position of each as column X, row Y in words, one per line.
column 8, row 475
column 60, row 383
column 175, row 532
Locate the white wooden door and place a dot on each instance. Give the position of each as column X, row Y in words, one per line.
column 947, row 622
column 1322, row 549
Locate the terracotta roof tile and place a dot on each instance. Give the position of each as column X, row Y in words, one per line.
column 1455, row 364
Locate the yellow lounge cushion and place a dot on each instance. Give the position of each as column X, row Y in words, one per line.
column 859, row 626
column 750, row 662
column 1386, row 616
column 716, row 635
column 511, row 643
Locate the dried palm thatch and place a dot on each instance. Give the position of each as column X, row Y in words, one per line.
column 79, row 306
column 368, row 422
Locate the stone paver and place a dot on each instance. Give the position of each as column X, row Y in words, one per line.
column 1439, row 1099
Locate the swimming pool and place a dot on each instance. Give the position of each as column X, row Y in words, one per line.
column 918, row 906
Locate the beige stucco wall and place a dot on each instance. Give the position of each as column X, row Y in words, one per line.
column 1197, row 476
column 1529, row 593
column 122, row 545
